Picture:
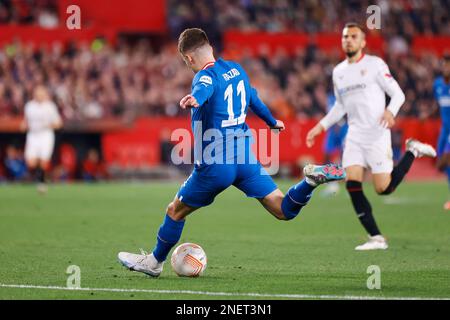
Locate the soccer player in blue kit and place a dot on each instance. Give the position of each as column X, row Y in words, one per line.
column 441, row 89
column 220, row 98
column 333, row 145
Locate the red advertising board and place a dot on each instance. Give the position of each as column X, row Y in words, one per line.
column 140, row 145
column 129, row 15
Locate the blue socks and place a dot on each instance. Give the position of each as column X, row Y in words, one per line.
column 296, row 198
column 168, row 235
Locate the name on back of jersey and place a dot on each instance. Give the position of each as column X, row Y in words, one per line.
column 231, row 74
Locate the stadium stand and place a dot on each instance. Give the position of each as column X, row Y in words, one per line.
column 103, row 79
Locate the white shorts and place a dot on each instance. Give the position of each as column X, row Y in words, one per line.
column 39, row 146
column 376, row 155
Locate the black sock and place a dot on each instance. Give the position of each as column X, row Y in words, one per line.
column 40, row 175
column 32, row 174
column 399, row 172
column 362, row 207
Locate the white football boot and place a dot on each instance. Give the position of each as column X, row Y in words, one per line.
column 331, row 189
column 315, row 175
column 42, row 188
column 377, row 242
column 145, row 263
column 420, row 149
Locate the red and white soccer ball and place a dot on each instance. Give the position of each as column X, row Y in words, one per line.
column 188, row 260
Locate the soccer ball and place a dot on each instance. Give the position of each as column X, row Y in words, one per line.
column 188, row 260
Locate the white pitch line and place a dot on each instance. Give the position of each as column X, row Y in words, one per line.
column 228, row 294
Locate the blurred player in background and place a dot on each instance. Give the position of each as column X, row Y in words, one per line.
column 441, row 89
column 41, row 119
column 360, row 83
column 220, row 98
column 333, row 145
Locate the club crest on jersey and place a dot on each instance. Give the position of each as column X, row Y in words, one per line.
column 363, row 72
column 205, row 79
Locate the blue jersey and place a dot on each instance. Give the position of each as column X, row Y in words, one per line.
column 442, row 94
column 335, row 136
column 224, row 94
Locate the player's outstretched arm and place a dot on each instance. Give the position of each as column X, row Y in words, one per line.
column 333, row 116
column 203, row 88
column 313, row 133
column 392, row 88
column 263, row 112
column 278, row 126
column 57, row 124
column 23, row 125
column 188, row 101
column 55, row 119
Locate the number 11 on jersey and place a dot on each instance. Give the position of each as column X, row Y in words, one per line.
column 228, row 96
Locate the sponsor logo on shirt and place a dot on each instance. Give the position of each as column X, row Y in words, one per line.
column 205, row 79
column 352, row 88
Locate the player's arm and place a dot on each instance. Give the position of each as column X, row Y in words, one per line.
column 333, row 116
column 56, row 122
column 263, row 112
column 393, row 90
column 24, row 122
column 202, row 90
column 23, row 125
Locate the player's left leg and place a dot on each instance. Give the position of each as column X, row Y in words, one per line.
column 32, row 156
column 41, row 173
column 386, row 183
column 32, row 164
column 258, row 184
column 44, row 151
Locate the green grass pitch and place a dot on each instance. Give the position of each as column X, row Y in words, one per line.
column 248, row 250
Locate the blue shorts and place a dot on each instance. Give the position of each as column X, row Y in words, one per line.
column 443, row 142
column 206, row 182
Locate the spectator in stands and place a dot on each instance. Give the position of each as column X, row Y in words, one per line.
column 93, row 169
column 41, row 12
column 14, row 163
column 99, row 81
column 399, row 17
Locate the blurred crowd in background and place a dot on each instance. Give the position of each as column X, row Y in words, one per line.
column 93, row 81
column 141, row 77
column 43, row 13
column 98, row 81
column 400, row 17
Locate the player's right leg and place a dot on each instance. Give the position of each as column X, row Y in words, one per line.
column 354, row 162
column 287, row 207
column 168, row 235
column 363, row 209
